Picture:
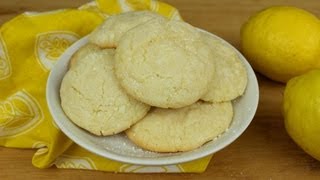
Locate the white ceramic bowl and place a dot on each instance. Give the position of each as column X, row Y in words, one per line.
column 120, row 148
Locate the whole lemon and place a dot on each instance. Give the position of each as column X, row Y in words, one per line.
column 282, row 42
column 301, row 109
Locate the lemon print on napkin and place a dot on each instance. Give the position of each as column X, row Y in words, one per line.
column 51, row 45
column 5, row 66
column 19, row 113
column 75, row 162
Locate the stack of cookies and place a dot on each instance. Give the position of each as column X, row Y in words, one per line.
column 166, row 84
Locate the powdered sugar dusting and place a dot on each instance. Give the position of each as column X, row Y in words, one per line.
column 121, row 144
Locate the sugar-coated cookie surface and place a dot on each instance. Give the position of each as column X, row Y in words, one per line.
column 164, row 63
column 82, row 52
column 93, row 99
column 108, row 34
column 184, row 129
column 230, row 77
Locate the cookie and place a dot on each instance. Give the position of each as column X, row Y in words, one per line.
column 184, row 129
column 108, row 34
column 83, row 51
column 230, row 77
column 164, row 63
column 93, row 99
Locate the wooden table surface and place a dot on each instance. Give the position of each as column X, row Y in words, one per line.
column 264, row 151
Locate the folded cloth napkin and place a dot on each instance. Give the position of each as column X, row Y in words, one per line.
column 30, row 44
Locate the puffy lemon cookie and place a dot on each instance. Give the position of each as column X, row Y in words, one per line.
column 164, row 63
column 108, row 34
column 83, row 51
column 93, row 99
column 183, row 129
column 230, row 77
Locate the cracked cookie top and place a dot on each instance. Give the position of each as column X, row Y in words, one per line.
column 92, row 97
column 108, row 34
column 164, row 63
column 230, row 77
column 183, row 129
column 83, row 51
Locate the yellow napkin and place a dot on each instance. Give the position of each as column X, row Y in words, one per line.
column 30, row 44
